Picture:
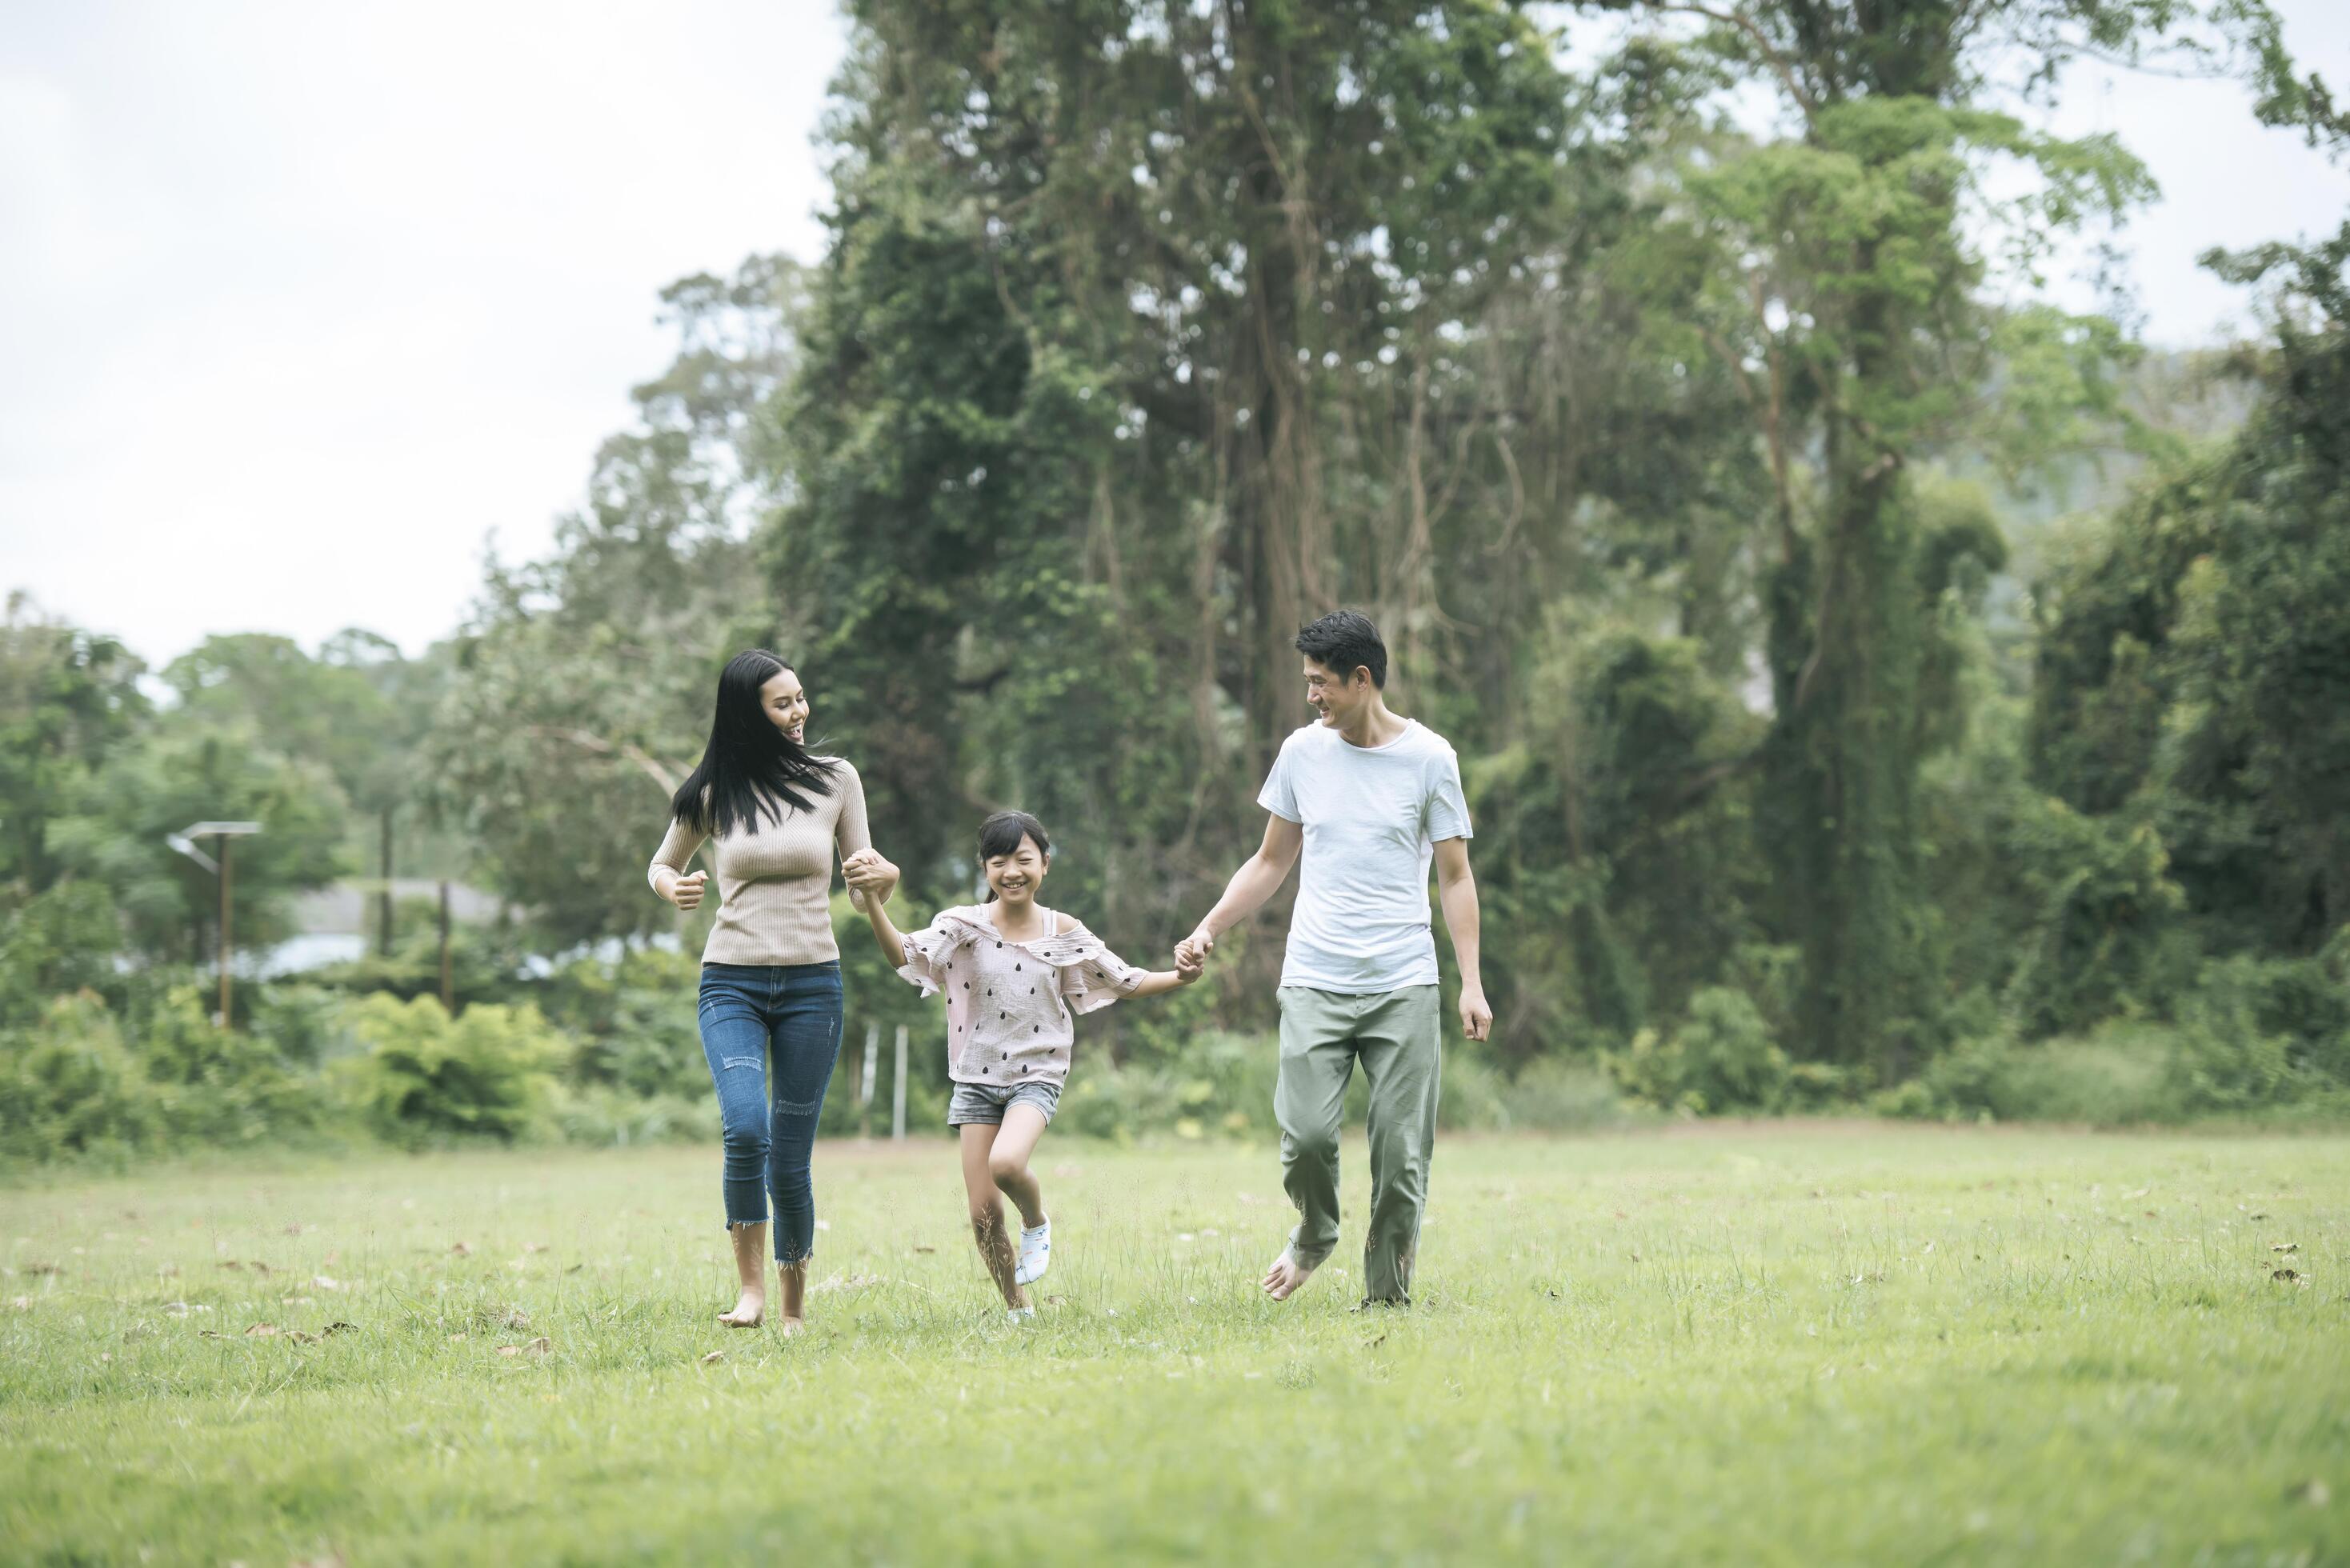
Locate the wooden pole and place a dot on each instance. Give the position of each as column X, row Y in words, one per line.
column 864, row 1080
column 223, row 841
column 448, row 990
column 898, row 1090
column 383, row 894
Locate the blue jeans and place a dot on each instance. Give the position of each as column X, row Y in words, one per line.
column 771, row 1033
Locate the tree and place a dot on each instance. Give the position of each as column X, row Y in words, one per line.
column 1849, row 296
column 582, row 683
column 2194, row 671
column 1148, row 333
column 67, row 698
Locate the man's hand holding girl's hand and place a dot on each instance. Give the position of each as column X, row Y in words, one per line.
column 685, row 892
column 1192, row 952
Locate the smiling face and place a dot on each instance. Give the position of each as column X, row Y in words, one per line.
column 1338, row 699
column 1016, row 877
column 786, row 703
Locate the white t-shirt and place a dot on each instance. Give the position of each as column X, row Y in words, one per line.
column 1372, row 817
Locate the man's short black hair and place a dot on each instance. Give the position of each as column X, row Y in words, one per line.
column 1344, row 640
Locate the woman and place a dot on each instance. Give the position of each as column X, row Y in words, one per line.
column 773, row 815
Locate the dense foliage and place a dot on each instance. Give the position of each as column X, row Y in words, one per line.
column 1696, row 467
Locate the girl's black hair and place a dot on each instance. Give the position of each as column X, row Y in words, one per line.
column 1002, row 834
column 749, row 767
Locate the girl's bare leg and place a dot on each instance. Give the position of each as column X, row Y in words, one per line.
column 987, row 1212
column 1007, row 1162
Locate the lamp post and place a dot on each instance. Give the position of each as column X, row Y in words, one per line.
column 221, row 834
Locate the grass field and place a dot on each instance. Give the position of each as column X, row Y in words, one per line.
column 1793, row 1344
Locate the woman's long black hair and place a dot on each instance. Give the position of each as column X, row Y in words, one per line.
column 749, row 767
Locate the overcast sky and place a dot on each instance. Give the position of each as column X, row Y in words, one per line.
column 300, row 305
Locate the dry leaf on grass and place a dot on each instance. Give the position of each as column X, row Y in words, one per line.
column 295, row 1228
column 517, row 1318
column 456, row 1338
column 462, row 1251
column 2286, row 1276
column 209, row 1334
column 43, row 1269
column 2312, row 1492
column 538, row 1346
column 337, row 1328
column 21, row 1303
column 261, row 1331
column 320, row 1281
column 925, row 1249
column 2286, row 1247
column 534, row 1246
column 713, row 1357
column 301, row 1336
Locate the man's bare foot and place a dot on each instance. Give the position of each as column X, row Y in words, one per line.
column 748, row 1313
column 1282, row 1280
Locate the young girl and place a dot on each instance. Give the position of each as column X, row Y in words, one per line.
column 1014, row 973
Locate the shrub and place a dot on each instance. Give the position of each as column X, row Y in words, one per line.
column 632, row 1022
column 426, row 1076
column 52, row 944
column 69, row 1085
column 217, row 1085
column 614, row 1117
column 1720, row 1058
column 1552, row 1095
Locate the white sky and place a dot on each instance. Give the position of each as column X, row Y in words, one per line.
column 301, row 303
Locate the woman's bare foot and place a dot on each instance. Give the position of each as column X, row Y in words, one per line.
column 750, row 1268
column 1282, row 1280
column 790, row 1326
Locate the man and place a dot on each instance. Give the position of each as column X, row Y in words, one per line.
column 1370, row 798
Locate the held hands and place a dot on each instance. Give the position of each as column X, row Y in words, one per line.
column 1191, row 953
column 868, row 873
column 685, row 892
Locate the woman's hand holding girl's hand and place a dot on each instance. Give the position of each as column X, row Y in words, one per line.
column 1188, row 972
column 870, row 875
column 685, row 892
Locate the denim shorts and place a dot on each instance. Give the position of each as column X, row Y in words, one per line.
column 983, row 1104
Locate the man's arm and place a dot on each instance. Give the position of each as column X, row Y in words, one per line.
column 1259, row 877
column 1457, row 887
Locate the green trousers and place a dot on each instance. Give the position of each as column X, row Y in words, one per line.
column 1397, row 1034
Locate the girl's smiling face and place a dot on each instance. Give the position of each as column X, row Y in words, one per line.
column 1015, row 878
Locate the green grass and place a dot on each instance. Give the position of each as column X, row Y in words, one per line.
column 1792, row 1343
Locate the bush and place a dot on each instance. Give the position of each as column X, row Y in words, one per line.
column 1721, row 1058
column 613, row 1116
column 2259, row 1033
column 53, row 944
column 632, row 1022
column 2117, row 1077
column 214, row 1085
column 1550, row 1094
column 69, row 1085
column 426, row 1076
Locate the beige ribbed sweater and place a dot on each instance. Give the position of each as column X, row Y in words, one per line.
column 774, row 886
